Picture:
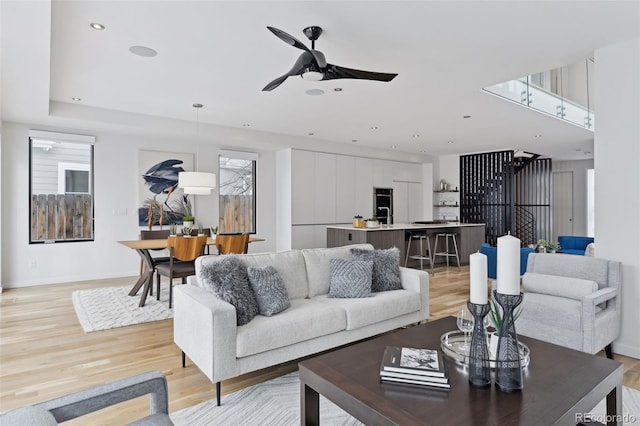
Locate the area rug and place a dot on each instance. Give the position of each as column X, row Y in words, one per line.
column 112, row 307
column 277, row 403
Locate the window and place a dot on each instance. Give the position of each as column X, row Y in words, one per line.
column 237, row 172
column 61, row 187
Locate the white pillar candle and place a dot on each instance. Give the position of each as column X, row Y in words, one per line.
column 478, row 275
column 508, row 273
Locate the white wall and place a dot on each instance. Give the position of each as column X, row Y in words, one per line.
column 449, row 170
column 579, row 169
column 617, row 177
column 116, row 175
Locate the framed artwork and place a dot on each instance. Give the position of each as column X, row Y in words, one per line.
column 161, row 202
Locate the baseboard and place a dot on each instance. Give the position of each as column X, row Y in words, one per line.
column 626, row 350
column 69, row 279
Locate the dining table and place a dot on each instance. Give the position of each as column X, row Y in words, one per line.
column 143, row 248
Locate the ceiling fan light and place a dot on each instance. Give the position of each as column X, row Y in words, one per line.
column 312, row 75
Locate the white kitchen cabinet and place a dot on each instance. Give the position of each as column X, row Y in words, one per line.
column 324, row 194
column 407, row 202
column 364, row 187
column 345, row 188
column 407, row 172
column 308, row 236
column 303, row 177
column 400, row 203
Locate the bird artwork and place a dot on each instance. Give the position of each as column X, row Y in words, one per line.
column 162, row 181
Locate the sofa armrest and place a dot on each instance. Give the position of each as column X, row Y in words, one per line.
column 205, row 327
column 417, row 281
column 600, row 296
column 90, row 400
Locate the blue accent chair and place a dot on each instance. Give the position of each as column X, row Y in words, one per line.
column 492, row 259
column 571, row 244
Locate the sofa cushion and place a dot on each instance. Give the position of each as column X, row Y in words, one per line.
column 289, row 264
column 269, row 289
column 573, row 288
column 386, row 267
column 304, row 320
column 226, row 276
column 350, row 278
column 317, row 263
column 382, row 306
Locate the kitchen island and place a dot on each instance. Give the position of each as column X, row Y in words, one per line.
column 469, row 236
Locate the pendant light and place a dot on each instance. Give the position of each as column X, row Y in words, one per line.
column 197, row 183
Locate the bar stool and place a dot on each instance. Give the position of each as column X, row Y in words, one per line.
column 424, row 254
column 446, row 253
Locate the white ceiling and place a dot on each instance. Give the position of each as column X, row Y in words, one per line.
column 220, row 54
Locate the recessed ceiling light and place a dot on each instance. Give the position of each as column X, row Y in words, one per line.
column 466, row 116
column 76, row 99
column 144, row 51
column 338, row 89
column 394, row 146
column 578, row 149
column 423, row 151
column 537, row 136
column 197, row 105
column 587, row 153
column 449, row 142
column 311, row 133
column 415, row 135
column 246, row 125
column 354, row 140
column 374, row 127
column 314, row 92
column 97, row 26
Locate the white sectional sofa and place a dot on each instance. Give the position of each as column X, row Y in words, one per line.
column 206, row 330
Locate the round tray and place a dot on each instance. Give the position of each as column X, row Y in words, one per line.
column 452, row 341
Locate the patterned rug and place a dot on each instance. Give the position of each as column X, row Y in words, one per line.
column 112, row 307
column 277, row 403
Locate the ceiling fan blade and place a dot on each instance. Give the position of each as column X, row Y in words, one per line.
column 333, row 72
column 298, row 67
column 289, row 39
column 275, row 83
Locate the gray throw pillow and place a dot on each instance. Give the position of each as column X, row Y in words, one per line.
column 226, row 276
column 269, row 289
column 386, row 267
column 350, row 278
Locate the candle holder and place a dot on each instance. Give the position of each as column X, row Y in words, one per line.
column 479, row 368
column 508, row 365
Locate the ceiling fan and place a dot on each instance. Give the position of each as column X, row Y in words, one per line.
column 311, row 64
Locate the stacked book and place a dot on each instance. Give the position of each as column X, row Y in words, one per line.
column 414, row 366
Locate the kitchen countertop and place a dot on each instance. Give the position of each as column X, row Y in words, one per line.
column 405, row 226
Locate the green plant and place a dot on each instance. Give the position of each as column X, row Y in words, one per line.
column 548, row 246
column 200, row 229
column 214, row 230
column 173, row 229
column 186, row 230
column 495, row 315
column 187, row 218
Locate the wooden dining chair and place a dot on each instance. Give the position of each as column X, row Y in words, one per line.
column 232, row 243
column 155, row 234
column 183, row 252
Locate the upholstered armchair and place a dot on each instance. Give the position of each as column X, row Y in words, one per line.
column 492, row 259
column 572, row 301
column 77, row 404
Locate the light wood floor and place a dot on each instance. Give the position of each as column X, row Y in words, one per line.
column 44, row 353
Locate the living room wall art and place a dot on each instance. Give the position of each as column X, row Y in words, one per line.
column 161, row 202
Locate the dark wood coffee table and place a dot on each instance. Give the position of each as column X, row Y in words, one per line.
column 560, row 385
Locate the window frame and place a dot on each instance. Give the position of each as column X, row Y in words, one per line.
column 235, row 155
column 52, row 139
